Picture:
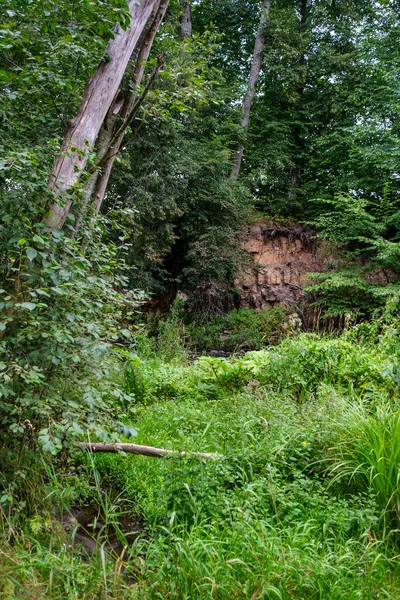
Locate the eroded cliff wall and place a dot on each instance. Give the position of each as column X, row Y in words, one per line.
column 282, row 257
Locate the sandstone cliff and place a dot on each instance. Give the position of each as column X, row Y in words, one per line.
column 282, row 258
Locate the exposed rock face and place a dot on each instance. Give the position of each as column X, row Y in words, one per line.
column 283, row 257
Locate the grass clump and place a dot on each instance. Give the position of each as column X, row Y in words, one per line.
column 367, row 451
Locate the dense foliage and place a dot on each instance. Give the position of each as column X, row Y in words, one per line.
column 322, row 147
column 62, row 302
column 301, row 497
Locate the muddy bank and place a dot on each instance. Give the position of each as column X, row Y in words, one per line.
column 90, row 529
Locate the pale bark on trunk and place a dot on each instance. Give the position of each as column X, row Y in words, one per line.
column 125, row 105
column 116, row 142
column 186, row 21
column 98, row 97
column 108, row 159
column 141, row 450
column 122, row 113
column 252, row 83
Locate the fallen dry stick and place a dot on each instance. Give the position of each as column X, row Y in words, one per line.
column 143, row 450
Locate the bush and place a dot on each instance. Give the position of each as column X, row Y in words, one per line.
column 302, row 365
column 244, row 329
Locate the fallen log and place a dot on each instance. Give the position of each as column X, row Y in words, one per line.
column 142, row 450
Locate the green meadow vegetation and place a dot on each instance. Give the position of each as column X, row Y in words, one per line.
column 301, row 498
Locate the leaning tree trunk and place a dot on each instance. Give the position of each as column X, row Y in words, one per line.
column 107, row 162
column 98, row 97
column 120, row 116
column 251, row 86
column 113, row 135
column 100, row 94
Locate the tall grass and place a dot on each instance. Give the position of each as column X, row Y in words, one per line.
column 367, row 452
column 249, row 557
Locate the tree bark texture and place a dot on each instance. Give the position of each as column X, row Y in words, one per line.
column 122, row 112
column 142, row 450
column 186, row 21
column 252, row 83
column 129, row 111
column 98, row 97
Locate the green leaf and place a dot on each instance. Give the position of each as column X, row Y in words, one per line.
column 77, row 428
column 28, row 305
column 37, row 238
column 31, row 253
column 49, row 447
column 127, row 431
column 42, row 293
column 126, row 333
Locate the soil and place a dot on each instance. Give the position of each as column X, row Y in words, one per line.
column 90, row 529
column 282, row 258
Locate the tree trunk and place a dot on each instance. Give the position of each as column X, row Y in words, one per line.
column 122, row 113
column 251, row 86
column 116, row 142
column 98, row 97
column 297, row 128
column 186, row 21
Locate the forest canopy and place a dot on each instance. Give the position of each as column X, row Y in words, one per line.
column 322, row 133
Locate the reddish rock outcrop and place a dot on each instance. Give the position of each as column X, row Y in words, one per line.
column 282, row 258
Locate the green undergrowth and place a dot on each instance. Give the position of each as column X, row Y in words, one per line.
column 243, row 329
column 236, row 331
column 300, row 499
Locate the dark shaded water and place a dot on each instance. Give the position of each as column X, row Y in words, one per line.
column 90, row 529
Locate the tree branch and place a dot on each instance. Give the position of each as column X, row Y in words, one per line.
column 130, row 116
column 142, row 450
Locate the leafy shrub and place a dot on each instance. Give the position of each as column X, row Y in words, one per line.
column 58, row 329
column 223, row 373
column 368, row 273
column 351, row 291
column 243, row 329
column 59, row 375
column 301, row 365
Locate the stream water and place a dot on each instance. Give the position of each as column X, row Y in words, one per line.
column 91, row 530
